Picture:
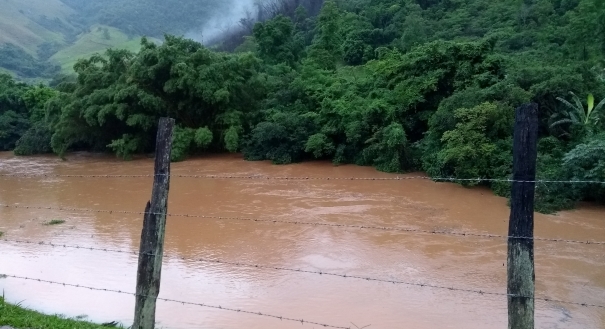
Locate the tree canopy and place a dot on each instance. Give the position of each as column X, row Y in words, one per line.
column 400, row 85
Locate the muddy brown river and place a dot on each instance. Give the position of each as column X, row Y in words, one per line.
column 564, row 271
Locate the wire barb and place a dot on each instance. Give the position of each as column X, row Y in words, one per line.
column 285, row 318
column 345, row 276
column 344, row 226
column 284, row 178
column 54, row 245
column 174, row 301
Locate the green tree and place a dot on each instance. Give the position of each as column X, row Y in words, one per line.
column 468, row 148
column 275, row 40
column 325, row 50
column 586, row 162
column 13, row 112
column 587, row 119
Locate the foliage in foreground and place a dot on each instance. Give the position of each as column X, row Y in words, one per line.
column 22, row 318
column 398, row 85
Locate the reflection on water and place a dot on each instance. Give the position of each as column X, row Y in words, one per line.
column 563, row 271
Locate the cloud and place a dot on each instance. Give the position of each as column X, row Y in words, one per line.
column 222, row 22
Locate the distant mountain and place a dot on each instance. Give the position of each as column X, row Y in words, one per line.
column 40, row 38
column 150, row 17
column 29, row 24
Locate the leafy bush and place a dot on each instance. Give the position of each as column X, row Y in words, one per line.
column 282, row 140
column 387, row 149
column 586, row 162
column 203, row 137
column 36, row 140
column 473, row 149
column 126, row 146
column 319, row 145
column 232, row 139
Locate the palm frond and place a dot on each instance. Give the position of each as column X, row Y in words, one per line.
column 582, row 117
column 560, row 122
column 568, row 104
column 574, row 117
column 577, row 100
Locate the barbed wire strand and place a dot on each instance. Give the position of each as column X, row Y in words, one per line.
column 256, row 266
column 217, row 261
column 275, row 221
column 365, row 278
column 480, row 292
column 177, row 301
column 284, row 178
column 68, row 246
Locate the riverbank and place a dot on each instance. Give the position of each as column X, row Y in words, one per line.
column 16, row 317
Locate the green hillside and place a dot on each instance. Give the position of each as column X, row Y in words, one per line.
column 41, row 38
column 97, row 40
column 30, row 31
column 29, row 24
column 152, row 17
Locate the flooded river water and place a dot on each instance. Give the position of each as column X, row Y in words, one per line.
column 564, row 271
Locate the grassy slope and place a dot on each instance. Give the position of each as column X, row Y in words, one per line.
column 94, row 42
column 18, row 317
column 17, row 24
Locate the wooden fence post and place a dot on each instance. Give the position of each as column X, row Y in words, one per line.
column 152, row 236
column 521, row 275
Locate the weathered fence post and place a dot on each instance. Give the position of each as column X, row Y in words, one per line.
column 521, row 275
column 152, row 236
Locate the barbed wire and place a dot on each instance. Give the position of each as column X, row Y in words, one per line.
column 59, row 245
column 285, row 178
column 322, row 273
column 480, row 292
column 283, row 318
column 240, row 264
column 275, row 221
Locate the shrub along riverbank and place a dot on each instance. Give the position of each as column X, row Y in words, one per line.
column 400, row 85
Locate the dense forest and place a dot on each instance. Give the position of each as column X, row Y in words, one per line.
column 400, row 85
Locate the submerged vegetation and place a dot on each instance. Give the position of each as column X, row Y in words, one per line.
column 400, row 85
column 55, row 222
